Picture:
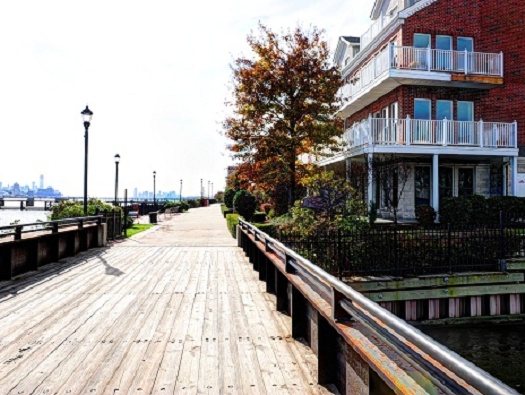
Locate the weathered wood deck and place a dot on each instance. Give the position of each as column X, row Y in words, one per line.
column 174, row 310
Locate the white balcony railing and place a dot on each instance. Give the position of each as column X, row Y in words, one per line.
column 464, row 62
column 421, row 59
column 404, row 132
column 374, row 29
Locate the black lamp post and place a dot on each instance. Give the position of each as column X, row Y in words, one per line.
column 154, row 198
column 117, row 160
column 87, row 114
column 180, row 193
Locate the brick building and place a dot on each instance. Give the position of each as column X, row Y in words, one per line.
column 439, row 84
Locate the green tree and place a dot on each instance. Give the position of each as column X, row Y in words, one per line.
column 284, row 101
column 229, row 194
column 245, row 204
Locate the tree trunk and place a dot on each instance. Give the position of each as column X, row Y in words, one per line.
column 291, row 199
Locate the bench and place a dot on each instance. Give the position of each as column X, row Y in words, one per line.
column 171, row 210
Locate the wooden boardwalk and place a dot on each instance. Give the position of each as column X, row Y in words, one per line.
column 175, row 310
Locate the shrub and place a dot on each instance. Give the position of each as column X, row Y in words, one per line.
column 269, row 229
column 193, row 203
column 425, row 215
column 74, row 208
column 184, row 206
column 231, row 221
column 454, row 210
column 244, row 203
column 228, row 197
column 259, row 217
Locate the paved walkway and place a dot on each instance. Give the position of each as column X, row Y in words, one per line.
column 174, row 310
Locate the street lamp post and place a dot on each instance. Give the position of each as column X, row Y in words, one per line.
column 180, row 193
column 154, row 198
column 117, row 160
column 208, row 189
column 202, row 191
column 212, row 190
column 87, row 114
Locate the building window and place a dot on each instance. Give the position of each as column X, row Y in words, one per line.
column 421, row 129
column 422, row 185
column 465, row 181
column 465, row 44
column 443, row 55
column 446, row 182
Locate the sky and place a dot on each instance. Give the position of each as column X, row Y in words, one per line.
column 155, row 74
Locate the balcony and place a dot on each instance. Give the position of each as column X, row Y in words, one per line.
column 418, row 136
column 374, row 30
column 399, row 65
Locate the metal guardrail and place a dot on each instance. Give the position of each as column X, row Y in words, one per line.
column 17, row 230
column 464, row 369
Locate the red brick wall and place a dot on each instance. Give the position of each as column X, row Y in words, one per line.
column 497, row 26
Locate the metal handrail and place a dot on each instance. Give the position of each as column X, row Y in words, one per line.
column 10, row 230
column 464, row 369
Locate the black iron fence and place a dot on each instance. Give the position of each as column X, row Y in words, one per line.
column 407, row 250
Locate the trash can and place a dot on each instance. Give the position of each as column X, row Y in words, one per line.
column 153, row 217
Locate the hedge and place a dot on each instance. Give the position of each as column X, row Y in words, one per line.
column 231, row 221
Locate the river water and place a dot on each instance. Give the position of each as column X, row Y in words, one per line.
column 499, row 349
column 8, row 216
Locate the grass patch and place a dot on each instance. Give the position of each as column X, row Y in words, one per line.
column 137, row 228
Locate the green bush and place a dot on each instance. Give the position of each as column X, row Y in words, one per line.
column 425, row 215
column 269, row 229
column 184, row 206
column 245, row 203
column 194, row 203
column 229, row 194
column 259, row 217
column 231, row 221
column 74, row 208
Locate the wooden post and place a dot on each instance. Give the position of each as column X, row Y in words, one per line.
column 298, row 314
column 281, row 291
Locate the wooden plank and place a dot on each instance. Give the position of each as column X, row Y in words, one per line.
column 446, row 293
column 442, row 280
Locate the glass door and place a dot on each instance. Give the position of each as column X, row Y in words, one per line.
column 443, row 57
column 421, row 129
column 465, row 44
column 445, row 182
column 421, row 46
column 444, row 116
column 465, row 124
column 422, row 185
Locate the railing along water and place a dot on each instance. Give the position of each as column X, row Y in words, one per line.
column 343, row 296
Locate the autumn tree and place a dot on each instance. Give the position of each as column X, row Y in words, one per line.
column 283, row 106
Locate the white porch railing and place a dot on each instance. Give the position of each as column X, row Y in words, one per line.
column 374, row 29
column 421, row 59
column 404, row 132
column 477, row 63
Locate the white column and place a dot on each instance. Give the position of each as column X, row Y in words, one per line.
column 370, row 179
column 513, row 175
column 435, row 182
